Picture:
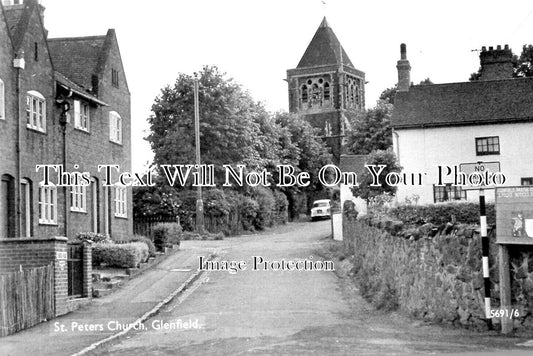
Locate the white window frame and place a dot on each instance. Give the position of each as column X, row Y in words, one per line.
column 78, row 198
column 35, row 111
column 115, row 127
column 2, row 100
column 82, row 115
column 121, row 201
column 47, row 205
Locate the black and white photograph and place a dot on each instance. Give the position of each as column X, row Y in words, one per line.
column 283, row 177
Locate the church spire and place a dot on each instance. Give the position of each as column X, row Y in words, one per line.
column 324, row 49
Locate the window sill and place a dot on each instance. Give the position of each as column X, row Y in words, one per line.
column 116, row 143
column 48, row 223
column 488, row 154
column 78, row 211
column 121, row 217
column 36, row 130
column 82, row 130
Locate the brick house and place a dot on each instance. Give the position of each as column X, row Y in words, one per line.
column 326, row 89
column 488, row 120
column 63, row 101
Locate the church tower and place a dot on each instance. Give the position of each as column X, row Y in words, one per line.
column 326, row 89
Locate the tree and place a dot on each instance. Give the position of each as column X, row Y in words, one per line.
column 229, row 128
column 390, row 165
column 371, row 130
column 524, row 66
column 301, row 147
column 388, row 94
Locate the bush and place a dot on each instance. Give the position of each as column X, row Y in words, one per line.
column 281, row 207
column 140, row 238
column 94, row 237
column 246, row 209
column 166, row 235
column 438, row 214
column 265, row 200
column 348, row 208
column 128, row 255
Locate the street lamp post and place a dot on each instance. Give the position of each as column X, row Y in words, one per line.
column 199, row 202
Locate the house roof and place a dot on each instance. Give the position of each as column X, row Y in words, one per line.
column 353, row 163
column 77, row 57
column 18, row 18
column 76, row 89
column 324, row 49
column 467, row 103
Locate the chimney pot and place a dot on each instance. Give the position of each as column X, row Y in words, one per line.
column 403, row 51
column 404, row 70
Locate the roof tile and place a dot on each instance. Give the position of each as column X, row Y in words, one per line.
column 467, row 103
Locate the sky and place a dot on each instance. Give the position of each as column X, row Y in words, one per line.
column 256, row 41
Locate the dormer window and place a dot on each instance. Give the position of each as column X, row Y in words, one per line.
column 115, row 127
column 81, row 115
column 35, row 111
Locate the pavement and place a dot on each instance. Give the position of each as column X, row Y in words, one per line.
column 107, row 316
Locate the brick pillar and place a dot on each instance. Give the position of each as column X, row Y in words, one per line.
column 87, row 269
column 61, row 277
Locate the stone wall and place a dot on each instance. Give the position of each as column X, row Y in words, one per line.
column 435, row 275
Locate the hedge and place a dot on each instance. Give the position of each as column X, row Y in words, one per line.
column 467, row 213
column 94, row 237
column 166, row 235
column 140, row 238
column 128, row 255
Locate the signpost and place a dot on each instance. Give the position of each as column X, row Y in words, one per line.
column 514, row 226
column 483, row 169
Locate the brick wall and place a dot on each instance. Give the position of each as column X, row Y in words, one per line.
column 17, row 253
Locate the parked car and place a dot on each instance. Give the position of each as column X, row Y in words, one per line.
column 321, row 209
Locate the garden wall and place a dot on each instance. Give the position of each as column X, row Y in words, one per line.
column 435, row 274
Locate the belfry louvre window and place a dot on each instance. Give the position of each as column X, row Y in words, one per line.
column 35, row 111
column 448, row 192
column 487, row 145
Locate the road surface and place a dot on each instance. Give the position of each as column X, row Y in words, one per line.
column 258, row 312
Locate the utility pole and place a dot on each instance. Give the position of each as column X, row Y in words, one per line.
column 199, row 202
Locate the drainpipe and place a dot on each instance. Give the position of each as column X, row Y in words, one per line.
column 65, row 107
column 394, row 133
column 19, row 64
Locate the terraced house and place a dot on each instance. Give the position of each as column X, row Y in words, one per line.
column 63, row 101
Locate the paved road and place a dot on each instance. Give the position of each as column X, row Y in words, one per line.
column 291, row 312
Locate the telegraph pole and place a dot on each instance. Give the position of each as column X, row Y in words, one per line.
column 199, row 202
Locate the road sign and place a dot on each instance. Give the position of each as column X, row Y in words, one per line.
column 481, row 175
column 514, row 215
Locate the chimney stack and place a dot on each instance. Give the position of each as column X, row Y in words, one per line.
column 404, row 70
column 496, row 64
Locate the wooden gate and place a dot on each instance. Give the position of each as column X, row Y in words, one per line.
column 75, row 270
